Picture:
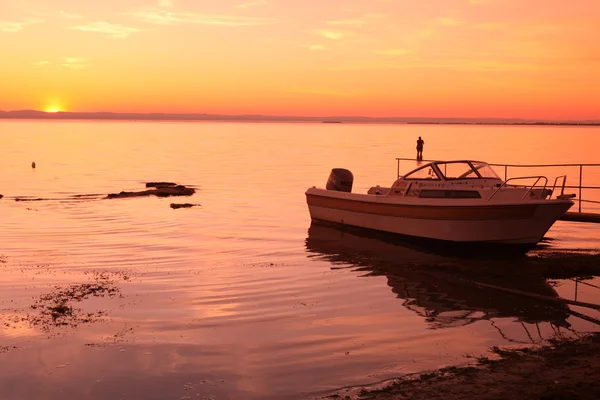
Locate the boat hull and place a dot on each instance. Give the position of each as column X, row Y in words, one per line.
column 473, row 221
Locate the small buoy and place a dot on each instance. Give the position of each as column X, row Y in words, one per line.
column 33, row 164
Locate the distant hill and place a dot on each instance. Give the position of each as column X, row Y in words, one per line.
column 34, row 114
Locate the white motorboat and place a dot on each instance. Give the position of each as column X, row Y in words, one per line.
column 455, row 201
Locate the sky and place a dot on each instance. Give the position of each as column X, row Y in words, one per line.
column 377, row 58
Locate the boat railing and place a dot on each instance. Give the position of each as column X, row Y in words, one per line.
column 562, row 187
column 529, row 187
column 580, row 188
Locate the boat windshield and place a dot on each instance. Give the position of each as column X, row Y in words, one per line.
column 485, row 170
column 458, row 170
column 425, row 172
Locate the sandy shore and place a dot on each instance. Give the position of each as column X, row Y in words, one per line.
column 560, row 370
column 564, row 369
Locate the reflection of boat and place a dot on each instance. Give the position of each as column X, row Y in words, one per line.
column 456, row 201
column 442, row 300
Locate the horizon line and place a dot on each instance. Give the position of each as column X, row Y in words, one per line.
column 39, row 114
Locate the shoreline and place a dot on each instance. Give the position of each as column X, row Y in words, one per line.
column 562, row 369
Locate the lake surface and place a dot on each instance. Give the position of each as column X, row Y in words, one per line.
column 241, row 297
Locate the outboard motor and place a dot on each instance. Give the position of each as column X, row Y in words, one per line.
column 341, row 180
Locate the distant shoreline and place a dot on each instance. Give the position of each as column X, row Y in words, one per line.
column 134, row 117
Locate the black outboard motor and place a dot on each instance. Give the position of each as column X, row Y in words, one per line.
column 340, row 180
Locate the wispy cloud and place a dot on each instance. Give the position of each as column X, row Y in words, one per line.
column 69, row 15
column 250, row 4
column 112, row 30
column 392, row 52
column 315, row 47
column 75, row 63
column 357, row 22
column 172, row 18
column 41, row 63
column 165, row 3
column 348, row 22
column 323, row 92
column 18, row 26
column 332, row 34
column 447, row 21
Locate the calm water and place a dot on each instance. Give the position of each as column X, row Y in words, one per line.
column 238, row 298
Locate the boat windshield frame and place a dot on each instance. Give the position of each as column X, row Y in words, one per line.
column 437, row 166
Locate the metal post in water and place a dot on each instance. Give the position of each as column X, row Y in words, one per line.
column 580, row 183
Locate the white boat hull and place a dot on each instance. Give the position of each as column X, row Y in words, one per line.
column 523, row 222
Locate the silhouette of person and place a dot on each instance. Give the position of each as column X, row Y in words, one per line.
column 420, row 144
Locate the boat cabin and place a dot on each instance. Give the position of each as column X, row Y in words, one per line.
column 464, row 179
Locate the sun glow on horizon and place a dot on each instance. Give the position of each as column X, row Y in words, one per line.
column 430, row 59
column 54, row 107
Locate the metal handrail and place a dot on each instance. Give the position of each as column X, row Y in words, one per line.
column 539, row 177
column 580, row 187
column 562, row 191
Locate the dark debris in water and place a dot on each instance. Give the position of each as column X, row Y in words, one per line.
column 160, row 184
column 159, row 191
column 58, row 307
column 183, row 205
column 7, row 349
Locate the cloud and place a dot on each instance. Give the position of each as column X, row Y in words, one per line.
column 68, row 15
column 249, row 4
column 41, row 63
column 348, row 22
column 172, row 18
column 446, row 21
column 323, row 92
column 113, row 30
column 18, row 26
column 165, row 3
column 490, row 26
column 315, row 47
column 333, row 35
column 392, row 52
column 75, row 63
column 365, row 19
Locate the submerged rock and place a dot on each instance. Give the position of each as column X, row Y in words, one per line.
column 183, row 205
column 160, row 184
column 166, row 191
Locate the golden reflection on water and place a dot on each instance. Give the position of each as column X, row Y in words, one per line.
column 242, row 297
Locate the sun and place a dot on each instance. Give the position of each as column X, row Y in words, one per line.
column 53, row 108
column 54, row 105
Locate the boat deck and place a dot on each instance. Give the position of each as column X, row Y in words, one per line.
column 592, row 192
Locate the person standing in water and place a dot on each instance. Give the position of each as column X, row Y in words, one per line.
column 420, row 144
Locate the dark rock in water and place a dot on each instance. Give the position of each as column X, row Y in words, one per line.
column 183, row 205
column 1, row 196
column 29, row 199
column 160, row 184
column 178, row 190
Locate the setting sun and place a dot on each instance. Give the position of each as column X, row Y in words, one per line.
column 53, row 108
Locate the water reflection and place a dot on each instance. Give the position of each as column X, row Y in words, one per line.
column 440, row 297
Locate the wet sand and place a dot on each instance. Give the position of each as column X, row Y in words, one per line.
column 564, row 369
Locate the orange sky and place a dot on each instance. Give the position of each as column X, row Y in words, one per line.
column 426, row 58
